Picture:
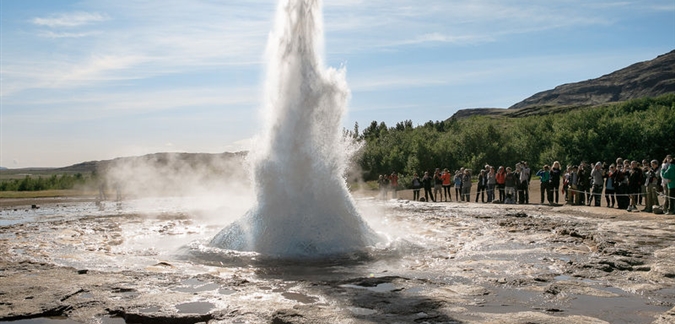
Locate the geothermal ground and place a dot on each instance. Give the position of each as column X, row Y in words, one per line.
column 146, row 261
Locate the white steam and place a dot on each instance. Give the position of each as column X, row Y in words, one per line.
column 303, row 207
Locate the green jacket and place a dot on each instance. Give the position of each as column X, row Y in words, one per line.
column 670, row 175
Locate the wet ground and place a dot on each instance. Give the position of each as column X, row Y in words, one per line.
column 145, row 261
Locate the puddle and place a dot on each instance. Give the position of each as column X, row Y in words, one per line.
column 225, row 291
column 361, row 311
column 300, row 297
column 193, row 285
column 195, row 307
column 381, row 288
column 151, row 309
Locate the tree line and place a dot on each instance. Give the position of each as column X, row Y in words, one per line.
column 54, row 182
column 636, row 129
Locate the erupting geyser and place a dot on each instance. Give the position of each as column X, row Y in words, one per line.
column 303, row 206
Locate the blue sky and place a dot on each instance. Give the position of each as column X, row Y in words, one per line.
column 93, row 80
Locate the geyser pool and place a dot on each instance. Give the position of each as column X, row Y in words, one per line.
column 303, row 206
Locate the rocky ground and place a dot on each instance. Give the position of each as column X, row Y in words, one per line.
column 447, row 263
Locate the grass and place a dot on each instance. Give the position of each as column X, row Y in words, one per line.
column 44, row 194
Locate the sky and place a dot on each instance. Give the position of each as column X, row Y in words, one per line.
column 98, row 79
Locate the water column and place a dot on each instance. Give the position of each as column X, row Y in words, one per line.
column 303, row 206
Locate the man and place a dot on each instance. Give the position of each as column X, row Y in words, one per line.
column 652, row 180
column 427, row 183
column 525, row 175
column 545, row 178
column 668, row 173
column 597, row 182
column 634, row 184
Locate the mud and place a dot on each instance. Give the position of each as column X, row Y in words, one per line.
column 78, row 262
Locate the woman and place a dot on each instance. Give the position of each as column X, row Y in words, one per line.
column 427, row 183
column 609, row 185
column 545, row 179
column 491, row 182
column 416, row 186
column 500, row 178
column 482, row 183
column 556, row 173
column 447, row 183
column 466, row 186
column 438, row 184
column 458, row 185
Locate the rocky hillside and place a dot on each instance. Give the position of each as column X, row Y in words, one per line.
column 645, row 79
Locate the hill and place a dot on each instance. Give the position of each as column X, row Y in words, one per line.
column 645, row 79
column 173, row 160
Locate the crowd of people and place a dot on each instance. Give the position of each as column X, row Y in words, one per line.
column 626, row 184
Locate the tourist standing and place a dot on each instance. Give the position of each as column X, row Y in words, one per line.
column 609, row 185
column 634, row 184
column 438, row 184
column 416, row 186
column 597, row 181
column 545, row 179
column 491, row 182
column 480, row 185
column 574, row 189
column 447, row 184
column 510, row 183
column 393, row 184
column 458, row 185
column 668, row 176
column 556, row 174
column 427, row 183
column 525, row 175
column 652, row 180
column 500, row 177
column 466, row 186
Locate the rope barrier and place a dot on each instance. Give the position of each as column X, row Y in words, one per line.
column 618, row 195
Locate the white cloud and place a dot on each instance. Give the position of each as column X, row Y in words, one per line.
column 73, row 19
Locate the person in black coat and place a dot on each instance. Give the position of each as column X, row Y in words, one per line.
column 428, row 183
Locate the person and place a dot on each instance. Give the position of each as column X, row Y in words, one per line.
column 566, row 183
column 393, row 185
column 491, row 182
column 621, row 185
column 447, row 184
column 500, row 178
column 668, row 176
column 416, row 186
column 574, row 189
column 644, row 166
column 481, row 185
column 438, row 184
column 525, row 175
column 597, row 181
column 652, row 180
column 664, row 182
column 582, row 176
column 556, row 174
column 634, row 184
column 545, row 179
column 102, row 186
column 609, row 185
column 466, row 186
column 458, row 185
column 427, row 183
column 510, row 183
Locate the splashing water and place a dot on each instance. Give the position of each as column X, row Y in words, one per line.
column 303, row 206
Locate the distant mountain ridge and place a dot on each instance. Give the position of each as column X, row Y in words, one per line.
column 157, row 159
column 651, row 78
